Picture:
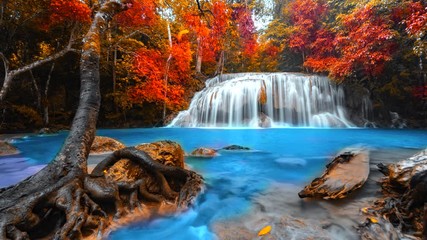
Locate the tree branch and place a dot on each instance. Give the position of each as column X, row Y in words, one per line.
column 5, row 64
column 9, row 75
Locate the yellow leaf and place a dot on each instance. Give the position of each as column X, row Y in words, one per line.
column 105, row 171
column 264, row 231
column 364, row 210
column 373, row 220
column 182, row 32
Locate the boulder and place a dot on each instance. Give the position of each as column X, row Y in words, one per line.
column 105, row 144
column 7, row 149
column 346, row 173
column 236, row 147
column 167, row 152
column 203, row 152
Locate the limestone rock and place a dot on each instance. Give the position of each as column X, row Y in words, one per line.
column 204, row 152
column 346, row 173
column 105, row 144
column 167, row 152
column 7, row 149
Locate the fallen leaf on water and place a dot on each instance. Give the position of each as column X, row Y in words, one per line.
column 264, row 231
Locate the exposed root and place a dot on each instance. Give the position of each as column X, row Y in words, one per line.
column 86, row 204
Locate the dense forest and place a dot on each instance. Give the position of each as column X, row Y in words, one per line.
column 158, row 53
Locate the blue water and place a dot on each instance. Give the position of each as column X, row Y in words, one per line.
column 292, row 156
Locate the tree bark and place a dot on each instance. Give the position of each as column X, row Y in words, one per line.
column 46, row 98
column 63, row 201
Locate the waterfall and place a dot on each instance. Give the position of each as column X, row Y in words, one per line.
column 266, row 100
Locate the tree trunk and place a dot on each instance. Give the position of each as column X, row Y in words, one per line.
column 46, row 98
column 36, row 90
column 63, row 201
column 199, row 57
column 168, row 64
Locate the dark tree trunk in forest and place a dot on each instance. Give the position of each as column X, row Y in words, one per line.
column 45, row 102
column 63, row 201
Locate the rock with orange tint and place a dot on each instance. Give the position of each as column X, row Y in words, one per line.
column 166, row 152
column 204, row 152
column 7, row 149
column 105, row 144
column 346, row 173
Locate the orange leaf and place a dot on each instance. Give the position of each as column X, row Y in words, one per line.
column 264, row 231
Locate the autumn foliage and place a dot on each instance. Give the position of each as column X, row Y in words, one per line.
column 246, row 28
column 151, row 83
column 68, row 11
column 140, row 13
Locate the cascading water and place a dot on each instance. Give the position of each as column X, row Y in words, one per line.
column 266, row 100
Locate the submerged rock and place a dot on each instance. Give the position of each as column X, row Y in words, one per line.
column 167, row 152
column 105, row 144
column 204, row 152
column 7, row 149
column 346, row 173
column 236, row 147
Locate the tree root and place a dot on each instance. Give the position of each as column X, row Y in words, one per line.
column 85, row 204
column 405, row 208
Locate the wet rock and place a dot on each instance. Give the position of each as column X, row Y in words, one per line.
column 346, row 173
column 378, row 228
column 47, row 131
column 204, row 152
column 167, row 152
column 397, row 121
column 236, row 147
column 105, row 144
column 264, row 121
column 7, row 149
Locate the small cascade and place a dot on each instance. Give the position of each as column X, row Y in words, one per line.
column 266, row 100
column 367, row 113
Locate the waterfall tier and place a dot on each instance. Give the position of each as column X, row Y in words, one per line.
column 266, row 100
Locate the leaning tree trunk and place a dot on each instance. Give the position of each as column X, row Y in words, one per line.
column 63, row 201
